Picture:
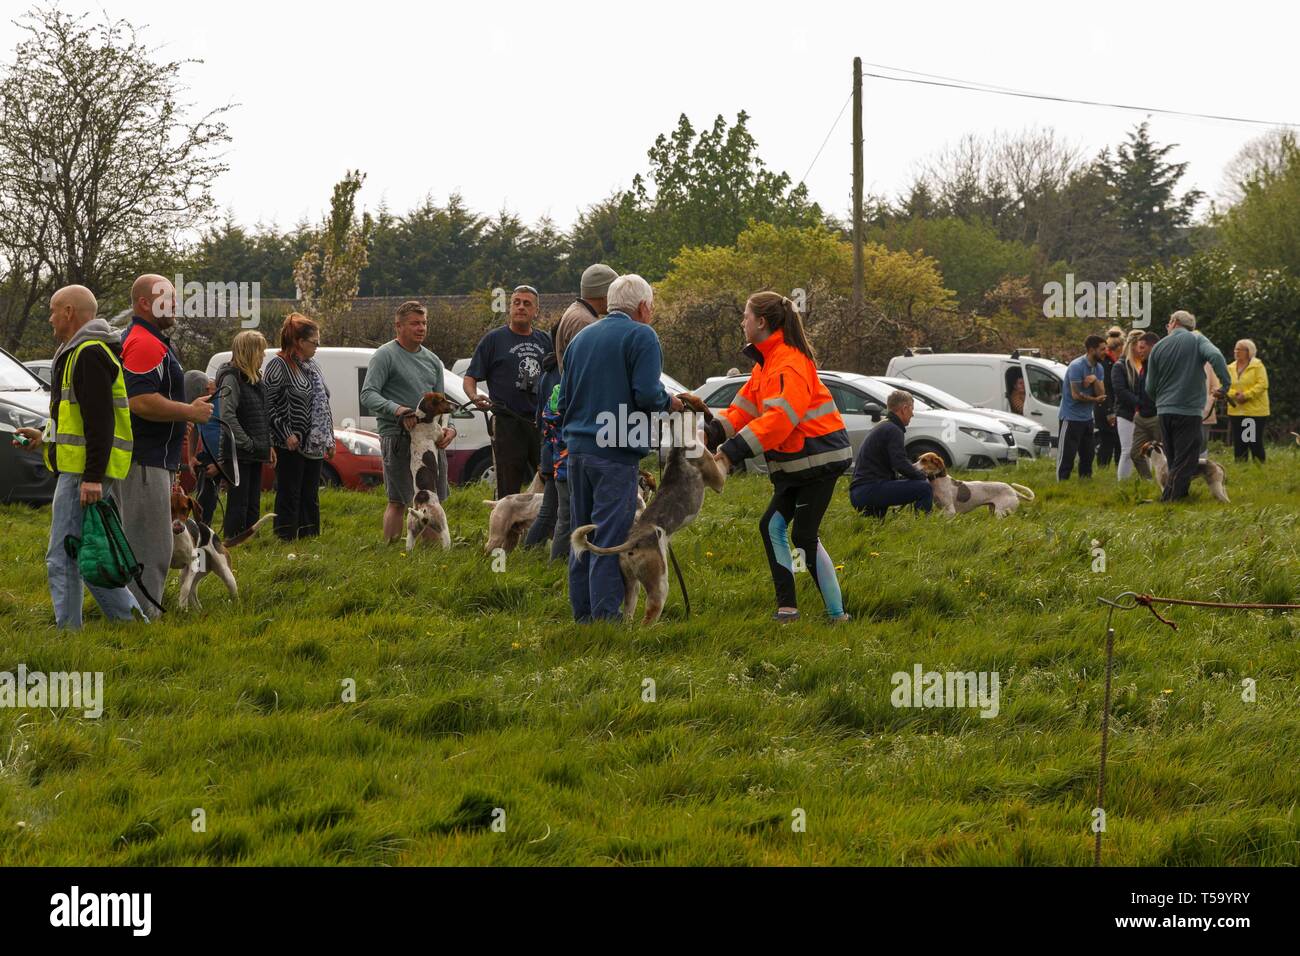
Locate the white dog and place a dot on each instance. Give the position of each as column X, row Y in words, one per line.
column 1211, row 471
column 958, row 497
column 425, row 518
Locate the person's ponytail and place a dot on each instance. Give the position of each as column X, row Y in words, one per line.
column 778, row 312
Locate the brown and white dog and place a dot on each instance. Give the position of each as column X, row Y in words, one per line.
column 513, row 515
column 1214, row 474
column 425, row 519
column 958, row 497
column 198, row 550
column 643, row 557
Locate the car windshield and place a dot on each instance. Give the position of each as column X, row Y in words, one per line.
column 17, row 377
column 879, row 392
column 671, row 384
column 936, row 396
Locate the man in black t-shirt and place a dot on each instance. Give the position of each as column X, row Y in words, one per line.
column 509, row 360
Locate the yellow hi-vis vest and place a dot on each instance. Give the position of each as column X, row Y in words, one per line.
column 71, row 436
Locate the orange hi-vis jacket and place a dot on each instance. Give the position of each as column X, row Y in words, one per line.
column 787, row 415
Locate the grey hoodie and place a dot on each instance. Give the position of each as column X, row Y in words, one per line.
column 92, row 383
column 96, row 330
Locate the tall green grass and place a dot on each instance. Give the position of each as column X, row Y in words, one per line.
column 476, row 692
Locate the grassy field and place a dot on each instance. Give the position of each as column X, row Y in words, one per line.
column 474, row 691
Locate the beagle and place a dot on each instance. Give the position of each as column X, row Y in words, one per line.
column 425, row 518
column 1214, row 474
column 958, row 497
column 643, row 557
column 198, row 550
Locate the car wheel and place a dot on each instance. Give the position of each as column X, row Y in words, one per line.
column 480, row 468
column 917, row 449
column 329, row 478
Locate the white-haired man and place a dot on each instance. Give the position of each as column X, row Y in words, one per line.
column 1176, row 383
column 611, row 368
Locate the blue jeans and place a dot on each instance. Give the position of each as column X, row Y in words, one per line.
column 874, row 498
column 65, row 577
column 603, row 493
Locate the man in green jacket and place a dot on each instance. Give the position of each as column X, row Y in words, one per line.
column 399, row 374
column 1176, row 383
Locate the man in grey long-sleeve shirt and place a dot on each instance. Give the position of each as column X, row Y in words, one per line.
column 399, row 374
column 1176, row 383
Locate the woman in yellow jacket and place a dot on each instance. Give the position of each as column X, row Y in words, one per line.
column 787, row 415
column 1248, row 401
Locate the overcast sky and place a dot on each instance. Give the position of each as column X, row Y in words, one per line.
column 547, row 107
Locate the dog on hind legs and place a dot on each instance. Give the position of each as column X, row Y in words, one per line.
column 198, row 550
column 1215, row 475
column 643, row 557
column 958, row 497
column 425, row 519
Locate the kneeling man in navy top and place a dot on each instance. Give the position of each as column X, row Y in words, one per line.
column 882, row 475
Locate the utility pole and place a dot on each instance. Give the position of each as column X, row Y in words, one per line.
column 858, row 283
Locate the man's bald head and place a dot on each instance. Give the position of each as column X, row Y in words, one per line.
column 70, row 308
column 153, row 298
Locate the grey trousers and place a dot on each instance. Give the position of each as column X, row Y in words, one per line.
column 1144, row 430
column 144, row 499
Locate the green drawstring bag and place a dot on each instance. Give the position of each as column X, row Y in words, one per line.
column 103, row 555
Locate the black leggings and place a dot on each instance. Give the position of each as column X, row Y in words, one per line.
column 789, row 527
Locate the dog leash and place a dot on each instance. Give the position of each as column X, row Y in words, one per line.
column 681, row 580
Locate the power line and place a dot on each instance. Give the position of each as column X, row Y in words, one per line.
column 838, row 117
column 976, row 87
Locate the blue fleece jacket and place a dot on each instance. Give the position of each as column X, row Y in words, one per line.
column 611, row 371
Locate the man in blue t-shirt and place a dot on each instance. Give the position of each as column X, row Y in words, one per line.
column 1082, row 393
column 509, row 359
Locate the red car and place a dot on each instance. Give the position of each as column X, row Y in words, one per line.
column 357, row 462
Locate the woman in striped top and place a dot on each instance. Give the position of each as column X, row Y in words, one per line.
column 302, row 427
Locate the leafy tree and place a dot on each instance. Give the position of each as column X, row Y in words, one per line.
column 328, row 273
column 100, row 168
column 971, row 257
column 703, row 297
column 702, row 190
column 1143, row 184
column 1262, row 231
column 1232, row 303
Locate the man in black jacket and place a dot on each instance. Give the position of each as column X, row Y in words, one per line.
column 882, row 475
column 1104, row 414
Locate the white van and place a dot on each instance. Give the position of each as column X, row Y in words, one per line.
column 987, row 379
column 469, row 456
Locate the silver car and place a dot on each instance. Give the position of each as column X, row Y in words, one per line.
column 963, row 440
column 1032, row 439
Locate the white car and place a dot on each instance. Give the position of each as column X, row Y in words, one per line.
column 469, row 456
column 1032, row 439
column 962, row 439
column 987, row 379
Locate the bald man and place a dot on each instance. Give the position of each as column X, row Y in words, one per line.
column 155, row 386
column 87, row 443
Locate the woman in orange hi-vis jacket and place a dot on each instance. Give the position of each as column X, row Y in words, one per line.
column 787, row 415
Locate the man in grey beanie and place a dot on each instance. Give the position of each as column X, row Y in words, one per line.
column 589, row 307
